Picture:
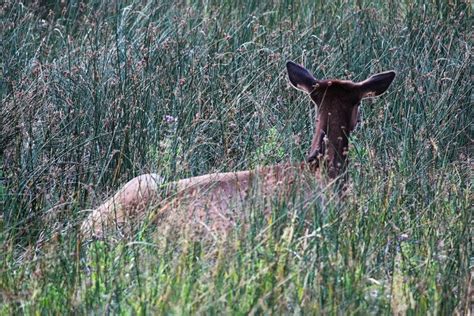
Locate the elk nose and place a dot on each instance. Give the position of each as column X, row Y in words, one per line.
column 313, row 160
column 311, row 157
column 315, row 155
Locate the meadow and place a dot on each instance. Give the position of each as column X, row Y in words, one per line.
column 95, row 92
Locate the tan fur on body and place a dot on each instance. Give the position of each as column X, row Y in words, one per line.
column 211, row 202
column 216, row 202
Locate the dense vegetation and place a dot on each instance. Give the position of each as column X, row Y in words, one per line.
column 96, row 92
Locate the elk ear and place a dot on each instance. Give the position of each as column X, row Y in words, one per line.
column 376, row 84
column 300, row 77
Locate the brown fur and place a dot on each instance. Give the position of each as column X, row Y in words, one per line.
column 214, row 202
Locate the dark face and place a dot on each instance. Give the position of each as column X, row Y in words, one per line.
column 337, row 102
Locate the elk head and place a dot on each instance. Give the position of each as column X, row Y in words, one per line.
column 338, row 103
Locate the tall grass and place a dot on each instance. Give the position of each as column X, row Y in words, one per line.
column 96, row 92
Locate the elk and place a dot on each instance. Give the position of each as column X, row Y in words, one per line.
column 211, row 200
